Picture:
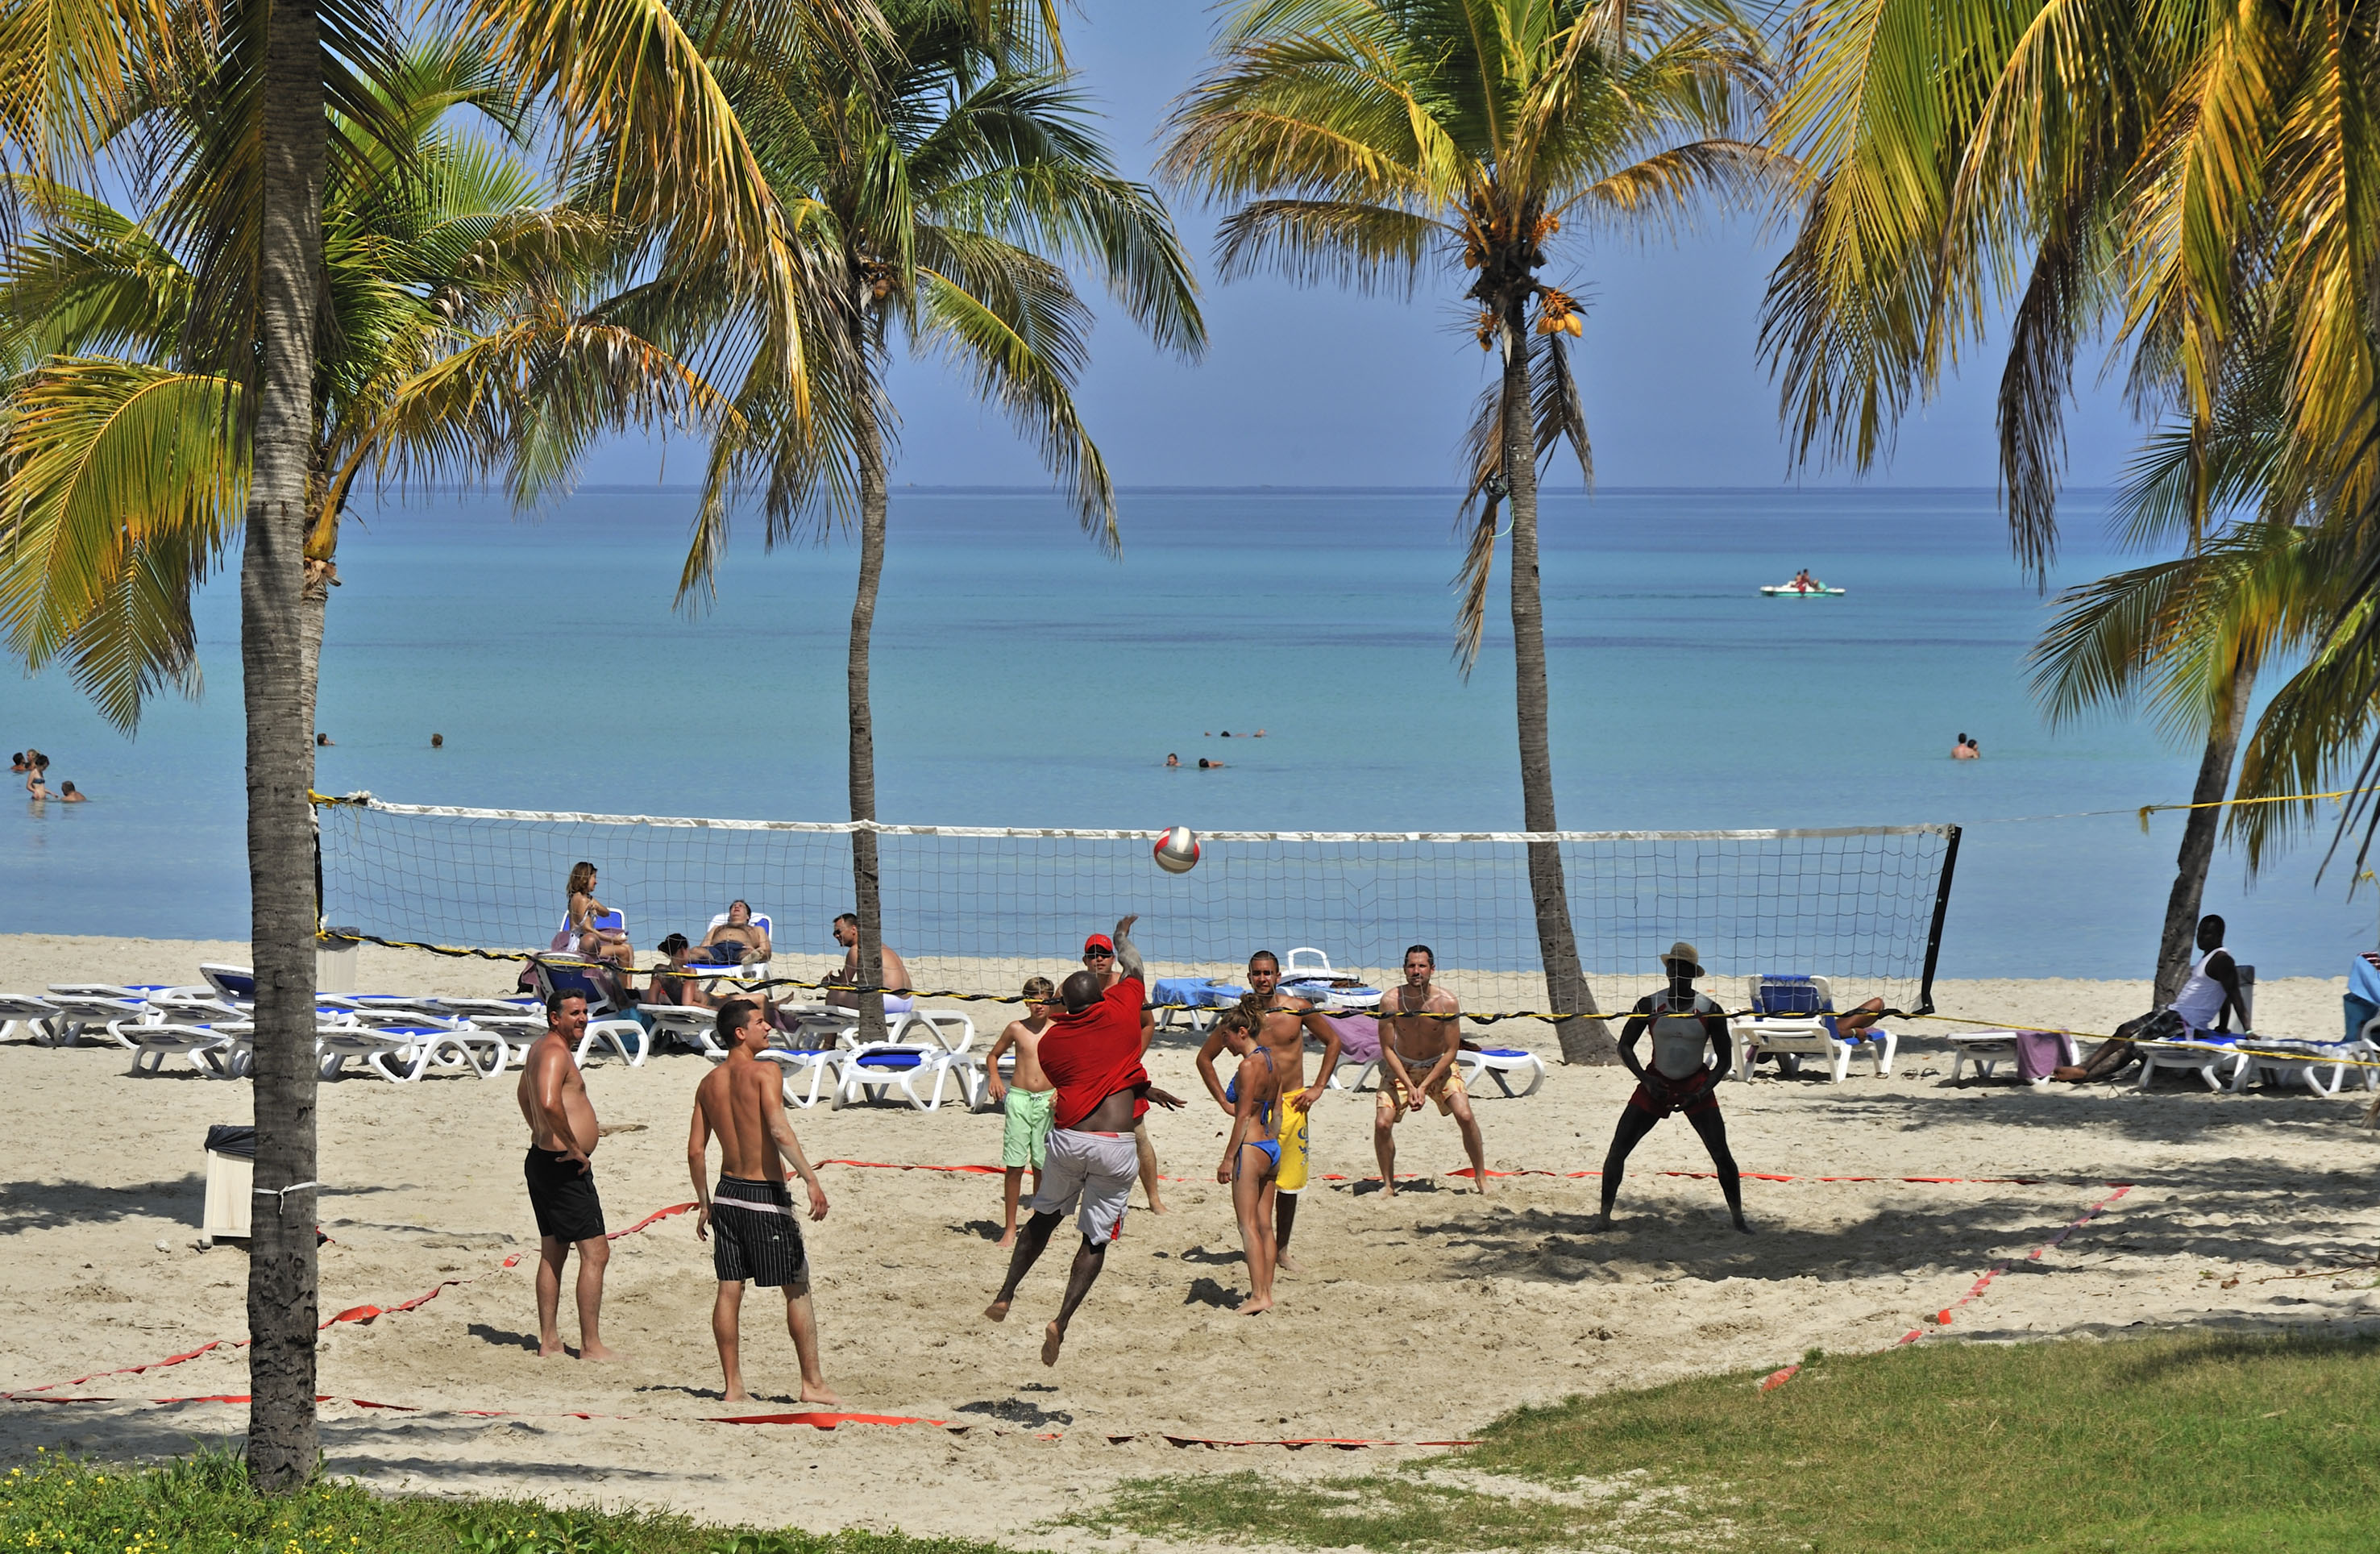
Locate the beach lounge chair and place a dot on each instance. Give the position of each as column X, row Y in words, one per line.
column 236, row 985
column 78, row 1010
column 26, row 1013
column 814, row 1065
column 1498, row 1063
column 152, row 1044
column 2280, row 1062
column 927, row 1046
column 759, row 920
column 2205, row 1052
column 1792, row 1015
column 1989, row 1048
column 573, row 974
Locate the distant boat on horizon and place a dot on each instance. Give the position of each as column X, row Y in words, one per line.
column 1812, row 589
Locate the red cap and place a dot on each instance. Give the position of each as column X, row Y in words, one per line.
column 1098, row 941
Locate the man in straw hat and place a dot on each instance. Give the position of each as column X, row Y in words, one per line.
column 1687, row 1029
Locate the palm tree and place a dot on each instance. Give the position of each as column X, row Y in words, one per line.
column 945, row 188
column 131, row 463
column 1369, row 142
column 2198, row 181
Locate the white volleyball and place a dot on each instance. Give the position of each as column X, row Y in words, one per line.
column 1177, row 850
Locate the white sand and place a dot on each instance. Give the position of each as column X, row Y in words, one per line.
column 1416, row 1319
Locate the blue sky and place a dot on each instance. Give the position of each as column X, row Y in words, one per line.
column 1315, row 386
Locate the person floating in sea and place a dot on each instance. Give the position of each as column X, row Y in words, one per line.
column 18, row 762
column 1172, row 758
column 758, row 1238
column 2210, row 995
column 1205, row 765
column 562, row 1135
column 67, row 794
column 324, row 740
column 1279, row 1022
column 1104, row 958
column 1092, row 1055
column 1686, row 1025
column 1420, row 1037
column 1252, row 1154
column 1964, row 750
column 437, row 741
column 1024, row 1104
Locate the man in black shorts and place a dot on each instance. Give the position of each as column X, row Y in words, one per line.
column 560, row 1180
column 1686, row 1025
column 758, row 1240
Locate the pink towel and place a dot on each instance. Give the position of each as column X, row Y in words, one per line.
column 1359, row 1038
column 2038, row 1052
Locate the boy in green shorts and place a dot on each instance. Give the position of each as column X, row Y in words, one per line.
column 1025, row 1138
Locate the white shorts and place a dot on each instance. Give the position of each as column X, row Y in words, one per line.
column 1095, row 1168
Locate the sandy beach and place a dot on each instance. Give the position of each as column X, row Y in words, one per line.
column 1414, row 1319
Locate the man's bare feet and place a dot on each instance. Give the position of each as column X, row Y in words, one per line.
column 1741, row 1225
column 1008, row 1240
column 547, row 1348
column 1602, row 1222
column 599, row 1354
column 1254, row 1308
column 1050, row 1342
column 1155, row 1207
column 1479, row 1180
column 1285, row 1263
column 997, row 1311
column 820, row 1392
column 739, row 1395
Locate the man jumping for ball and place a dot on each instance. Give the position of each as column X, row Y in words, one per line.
column 1420, row 1034
column 1282, row 1023
column 1102, row 960
column 1684, row 1024
column 1092, row 1055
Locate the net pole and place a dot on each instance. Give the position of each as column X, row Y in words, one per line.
column 1941, row 911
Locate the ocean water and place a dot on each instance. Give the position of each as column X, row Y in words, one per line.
column 1024, row 678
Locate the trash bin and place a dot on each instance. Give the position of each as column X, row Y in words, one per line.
column 335, row 964
column 231, row 1182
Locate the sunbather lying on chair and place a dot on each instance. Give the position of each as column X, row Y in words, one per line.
column 2209, row 995
column 736, row 942
column 664, row 987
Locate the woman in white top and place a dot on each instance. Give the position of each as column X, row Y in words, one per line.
column 1687, row 1028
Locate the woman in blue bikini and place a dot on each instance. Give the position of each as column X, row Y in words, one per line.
column 1252, row 1156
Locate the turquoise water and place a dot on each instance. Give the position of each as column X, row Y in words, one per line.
column 1024, row 679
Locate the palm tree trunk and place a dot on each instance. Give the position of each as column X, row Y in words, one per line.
column 868, row 441
column 1583, row 1040
column 282, row 1445
column 2198, row 832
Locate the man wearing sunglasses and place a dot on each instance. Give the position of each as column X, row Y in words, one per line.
column 1101, row 960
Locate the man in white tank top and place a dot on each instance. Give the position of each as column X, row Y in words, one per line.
column 2209, row 997
column 1686, row 1027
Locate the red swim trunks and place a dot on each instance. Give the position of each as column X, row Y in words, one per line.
column 1660, row 1095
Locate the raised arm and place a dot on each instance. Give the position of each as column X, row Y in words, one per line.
column 1127, row 952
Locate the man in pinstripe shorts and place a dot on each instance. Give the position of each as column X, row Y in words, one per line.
column 759, row 1239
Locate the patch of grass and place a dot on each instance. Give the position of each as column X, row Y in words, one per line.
column 2164, row 1445
column 201, row 1504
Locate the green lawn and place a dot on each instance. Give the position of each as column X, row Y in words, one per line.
column 200, row 1505
column 2153, row 1446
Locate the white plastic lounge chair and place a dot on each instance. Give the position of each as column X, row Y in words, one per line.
column 1989, row 1048
column 2281, row 1061
column 769, row 929
column 817, row 1065
column 877, row 1066
column 688, row 1023
column 25, row 1012
column 2211, row 1058
column 1792, row 1020
column 1497, row 1063
column 152, row 1044
column 236, row 985
column 76, row 1010
column 623, row 1034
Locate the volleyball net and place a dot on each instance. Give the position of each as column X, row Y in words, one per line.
column 976, row 910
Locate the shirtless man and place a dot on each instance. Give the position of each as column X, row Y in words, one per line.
column 759, row 1240
column 1282, row 1021
column 1416, row 1040
column 1024, row 1105
column 1685, row 1025
column 1102, row 960
column 1092, row 1056
column 896, row 973
column 1252, row 1154
column 562, row 1135
column 739, row 941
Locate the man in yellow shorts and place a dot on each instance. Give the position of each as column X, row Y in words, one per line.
column 1420, row 1034
column 1284, row 1024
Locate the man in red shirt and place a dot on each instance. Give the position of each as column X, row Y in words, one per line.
column 1092, row 1055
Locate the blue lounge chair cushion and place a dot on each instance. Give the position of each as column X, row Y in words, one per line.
column 890, row 1060
column 1782, row 994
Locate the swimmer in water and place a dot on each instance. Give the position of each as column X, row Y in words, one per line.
column 1172, row 759
column 66, row 792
